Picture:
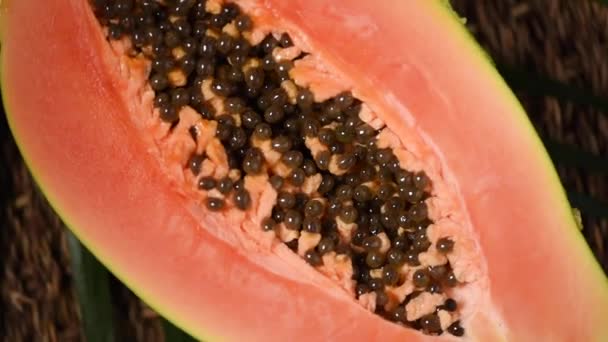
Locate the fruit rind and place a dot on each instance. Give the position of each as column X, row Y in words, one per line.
column 486, row 62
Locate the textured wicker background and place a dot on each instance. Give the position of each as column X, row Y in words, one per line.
column 561, row 40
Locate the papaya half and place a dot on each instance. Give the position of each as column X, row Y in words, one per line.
column 272, row 170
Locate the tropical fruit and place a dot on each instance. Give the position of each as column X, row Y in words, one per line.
column 299, row 170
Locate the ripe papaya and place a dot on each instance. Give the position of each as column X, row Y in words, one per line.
column 299, row 170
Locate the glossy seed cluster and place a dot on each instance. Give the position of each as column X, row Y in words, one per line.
column 350, row 197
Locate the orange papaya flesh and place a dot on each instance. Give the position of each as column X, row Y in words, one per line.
column 72, row 117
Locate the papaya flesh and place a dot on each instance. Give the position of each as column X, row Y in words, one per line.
column 72, row 101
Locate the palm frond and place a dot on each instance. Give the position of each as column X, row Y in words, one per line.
column 539, row 85
column 93, row 292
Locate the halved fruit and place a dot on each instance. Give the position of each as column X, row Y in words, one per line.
column 125, row 176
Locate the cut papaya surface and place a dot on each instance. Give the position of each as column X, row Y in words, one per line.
column 83, row 109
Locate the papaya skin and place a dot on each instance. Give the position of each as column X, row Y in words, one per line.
column 482, row 56
column 112, row 226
